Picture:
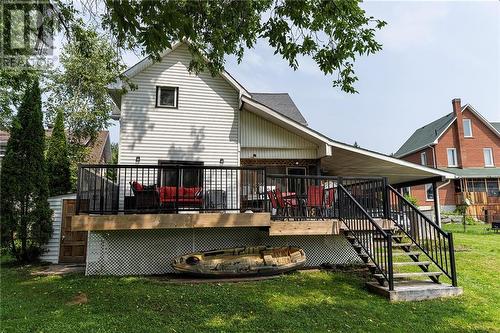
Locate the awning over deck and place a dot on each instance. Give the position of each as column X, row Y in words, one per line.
column 340, row 159
column 346, row 161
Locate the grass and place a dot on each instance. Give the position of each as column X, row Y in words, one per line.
column 310, row 302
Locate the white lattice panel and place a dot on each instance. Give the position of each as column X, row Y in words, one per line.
column 144, row 252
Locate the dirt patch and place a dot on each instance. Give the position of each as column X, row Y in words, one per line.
column 80, row 298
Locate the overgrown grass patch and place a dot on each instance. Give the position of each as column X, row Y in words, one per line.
column 311, row 302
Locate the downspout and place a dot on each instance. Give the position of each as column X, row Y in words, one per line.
column 438, row 210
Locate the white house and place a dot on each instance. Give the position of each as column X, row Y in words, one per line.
column 238, row 165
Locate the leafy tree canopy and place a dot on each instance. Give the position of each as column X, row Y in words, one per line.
column 333, row 33
column 79, row 88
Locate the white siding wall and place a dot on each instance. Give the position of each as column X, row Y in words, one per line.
column 203, row 128
column 51, row 253
column 267, row 140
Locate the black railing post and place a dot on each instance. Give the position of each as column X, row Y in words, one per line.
column 78, row 187
column 178, row 170
column 340, row 183
column 453, row 269
column 390, row 270
column 385, row 198
column 264, row 202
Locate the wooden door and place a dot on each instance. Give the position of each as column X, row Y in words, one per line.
column 73, row 247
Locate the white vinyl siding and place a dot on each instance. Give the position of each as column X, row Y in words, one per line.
column 488, row 157
column 203, row 127
column 467, row 128
column 423, row 158
column 267, row 140
column 51, row 249
column 452, row 157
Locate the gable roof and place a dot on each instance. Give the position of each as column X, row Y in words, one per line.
column 430, row 133
column 425, row 135
column 282, row 103
column 148, row 61
column 496, row 126
column 99, row 150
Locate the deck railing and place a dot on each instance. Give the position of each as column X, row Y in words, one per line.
column 374, row 242
column 301, row 197
column 436, row 243
column 112, row 189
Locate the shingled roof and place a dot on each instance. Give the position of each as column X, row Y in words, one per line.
column 282, row 103
column 497, row 126
column 425, row 135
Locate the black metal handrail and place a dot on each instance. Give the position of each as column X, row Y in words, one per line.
column 436, row 243
column 375, row 242
column 111, row 189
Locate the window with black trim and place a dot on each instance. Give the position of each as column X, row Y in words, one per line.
column 167, row 97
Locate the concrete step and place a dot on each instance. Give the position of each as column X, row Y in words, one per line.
column 409, row 275
column 414, row 290
column 412, row 263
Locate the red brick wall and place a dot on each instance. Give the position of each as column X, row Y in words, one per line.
column 469, row 151
column 472, row 148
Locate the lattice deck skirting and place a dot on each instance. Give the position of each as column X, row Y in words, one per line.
column 147, row 252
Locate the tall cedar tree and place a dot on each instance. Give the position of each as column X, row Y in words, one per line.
column 58, row 164
column 25, row 213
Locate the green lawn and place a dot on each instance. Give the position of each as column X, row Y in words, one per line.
column 311, row 302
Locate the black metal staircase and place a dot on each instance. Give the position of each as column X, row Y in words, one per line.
column 411, row 246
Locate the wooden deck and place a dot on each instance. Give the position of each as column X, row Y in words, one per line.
column 169, row 221
column 204, row 220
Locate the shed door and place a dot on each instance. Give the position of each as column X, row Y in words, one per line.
column 73, row 243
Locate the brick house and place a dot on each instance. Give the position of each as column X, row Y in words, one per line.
column 465, row 143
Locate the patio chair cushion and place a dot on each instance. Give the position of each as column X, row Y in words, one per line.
column 137, row 186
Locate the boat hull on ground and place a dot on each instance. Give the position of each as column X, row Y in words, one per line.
column 241, row 262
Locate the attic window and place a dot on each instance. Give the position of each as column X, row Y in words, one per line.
column 167, row 97
column 467, row 128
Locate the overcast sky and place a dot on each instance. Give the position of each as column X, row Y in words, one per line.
column 432, row 53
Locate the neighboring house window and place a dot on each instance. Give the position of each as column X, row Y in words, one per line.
column 467, row 128
column 406, row 191
column 452, row 157
column 476, row 185
column 429, row 193
column 493, row 188
column 488, row 157
column 423, row 158
column 167, row 97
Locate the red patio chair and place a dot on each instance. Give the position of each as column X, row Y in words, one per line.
column 329, row 202
column 315, row 196
column 274, row 202
column 287, row 206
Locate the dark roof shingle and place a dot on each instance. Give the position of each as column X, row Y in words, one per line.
column 282, row 103
column 425, row 135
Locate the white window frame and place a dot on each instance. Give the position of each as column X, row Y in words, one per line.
column 454, row 152
column 490, row 152
column 176, row 97
column 469, row 122
column 423, row 158
column 426, row 188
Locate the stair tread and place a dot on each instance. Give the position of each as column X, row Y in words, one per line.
column 407, row 275
column 411, row 263
column 401, row 244
column 409, row 253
